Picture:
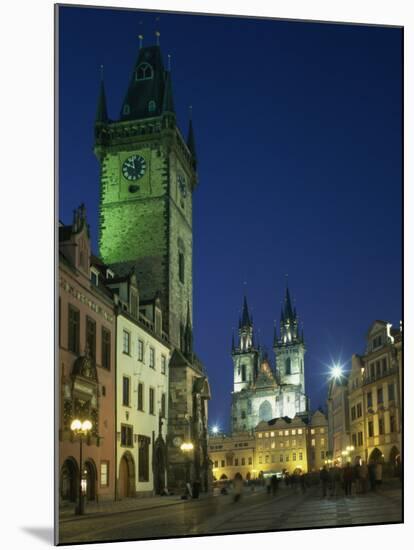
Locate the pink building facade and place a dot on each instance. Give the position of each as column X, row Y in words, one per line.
column 86, row 368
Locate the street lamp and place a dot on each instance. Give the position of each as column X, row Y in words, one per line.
column 186, row 448
column 215, row 430
column 81, row 430
column 336, row 372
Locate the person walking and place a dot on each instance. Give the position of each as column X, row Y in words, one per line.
column 363, row 477
column 274, row 484
column 303, row 482
column 348, row 476
column 324, row 478
column 267, row 482
column 238, row 487
column 378, row 475
column 371, row 475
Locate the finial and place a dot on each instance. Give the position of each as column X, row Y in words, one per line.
column 141, row 38
column 287, row 277
column 158, row 34
column 169, row 62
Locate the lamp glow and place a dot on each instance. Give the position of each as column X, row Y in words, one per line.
column 336, row 371
column 86, row 425
column 76, row 425
column 215, row 429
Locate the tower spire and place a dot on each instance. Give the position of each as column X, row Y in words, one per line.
column 101, row 111
column 245, row 322
column 190, row 139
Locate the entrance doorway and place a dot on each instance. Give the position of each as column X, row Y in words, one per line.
column 91, row 478
column 126, row 485
column 69, row 476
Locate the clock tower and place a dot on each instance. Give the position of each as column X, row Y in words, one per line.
column 148, row 175
column 147, row 179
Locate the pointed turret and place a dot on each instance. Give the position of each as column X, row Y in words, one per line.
column 245, row 321
column 191, row 141
column 288, row 307
column 168, row 102
column 101, row 111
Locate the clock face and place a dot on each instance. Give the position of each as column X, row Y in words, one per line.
column 182, row 185
column 133, row 168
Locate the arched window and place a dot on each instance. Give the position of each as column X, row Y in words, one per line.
column 181, row 266
column 243, row 375
column 151, row 106
column 288, row 369
column 144, row 72
column 265, row 411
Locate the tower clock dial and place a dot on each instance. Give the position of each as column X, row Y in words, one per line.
column 134, row 168
column 182, row 185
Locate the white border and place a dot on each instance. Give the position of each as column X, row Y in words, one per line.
column 26, row 45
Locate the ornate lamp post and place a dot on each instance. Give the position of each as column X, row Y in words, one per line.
column 81, row 430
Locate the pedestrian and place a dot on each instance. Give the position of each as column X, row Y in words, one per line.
column 371, row 475
column 287, row 479
column 324, row 478
column 303, row 482
column 337, row 479
column 357, row 478
column 378, row 475
column 363, row 477
column 348, row 476
column 267, row 483
column 238, row 487
column 275, row 484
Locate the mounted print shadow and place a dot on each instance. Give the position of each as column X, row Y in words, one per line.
column 229, row 275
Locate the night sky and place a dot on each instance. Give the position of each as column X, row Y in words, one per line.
column 299, row 141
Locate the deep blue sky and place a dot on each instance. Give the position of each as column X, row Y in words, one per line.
column 299, row 141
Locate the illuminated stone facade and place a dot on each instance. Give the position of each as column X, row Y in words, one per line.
column 261, row 392
column 148, row 176
column 364, row 407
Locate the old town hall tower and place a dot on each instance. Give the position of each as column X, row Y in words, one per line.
column 148, row 176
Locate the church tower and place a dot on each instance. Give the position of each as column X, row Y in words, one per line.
column 289, row 348
column 245, row 355
column 148, row 175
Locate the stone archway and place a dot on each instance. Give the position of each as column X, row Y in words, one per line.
column 248, row 476
column 126, row 480
column 223, row 476
column 238, row 476
column 69, row 480
column 91, row 476
column 376, row 456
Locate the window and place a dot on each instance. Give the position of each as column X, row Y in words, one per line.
column 354, row 440
column 103, row 391
column 151, row 400
column 134, row 305
column 281, row 444
column 143, row 458
column 163, row 405
column 266, row 434
column 140, row 396
column 288, row 366
column 267, row 458
column 287, row 443
column 286, row 432
column 243, row 414
column 222, row 463
column 322, row 455
column 151, row 106
column 152, row 358
column 384, row 365
column 369, row 399
column 312, row 431
column 260, row 459
column 287, row 458
column 236, row 461
column 280, row 432
column 73, row 325
column 293, row 442
column 353, row 413
column 163, row 364
column 360, row 439
column 392, row 424
column 91, row 337
column 243, row 373
column 260, row 435
column 281, row 458
column 391, row 395
column 377, row 342
column 273, row 445
column 380, row 398
column 370, row 428
column 125, row 341
column 300, row 456
column 372, row 370
column 381, row 426
column 140, row 350
column 243, row 461
column 126, row 435
column 125, row 391
column 181, row 266
column 322, row 430
column 378, row 368
column 106, row 349
column 94, row 278
column 250, row 460
column 300, row 431
column 293, row 456
column 216, row 464
column 104, row 473
column 272, row 434
column 144, row 72
column 313, row 442
column 359, row 410
column 322, row 441
column 293, row 432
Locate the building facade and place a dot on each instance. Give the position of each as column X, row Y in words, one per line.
column 262, row 392
column 298, row 444
column 365, row 406
column 86, row 368
column 148, row 176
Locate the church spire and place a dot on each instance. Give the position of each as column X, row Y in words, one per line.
column 245, row 321
column 190, row 138
column 101, row 111
column 288, row 306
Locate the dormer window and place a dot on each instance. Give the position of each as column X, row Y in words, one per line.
column 151, row 106
column 94, row 277
column 144, row 72
column 377, row 342
column 109, row 274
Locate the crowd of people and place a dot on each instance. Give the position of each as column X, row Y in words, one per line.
column 350, row 479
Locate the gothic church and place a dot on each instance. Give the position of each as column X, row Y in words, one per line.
column 260, row 391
